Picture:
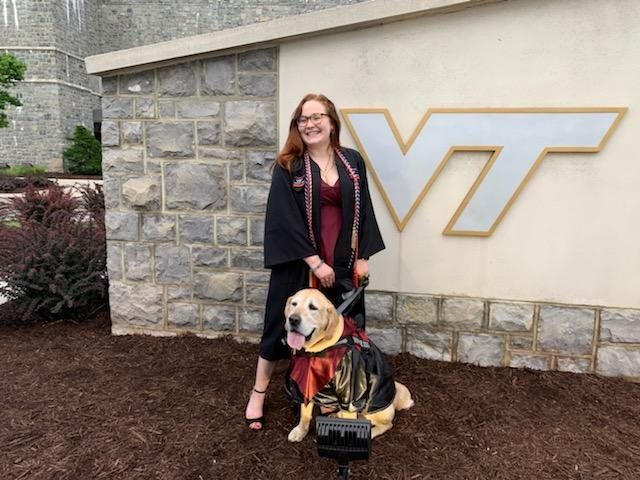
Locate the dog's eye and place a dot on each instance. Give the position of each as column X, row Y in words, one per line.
column 312, row 307
column 294, row 304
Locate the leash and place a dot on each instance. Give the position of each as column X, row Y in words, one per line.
column 351, row 296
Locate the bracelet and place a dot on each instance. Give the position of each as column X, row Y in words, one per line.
column 320, row 263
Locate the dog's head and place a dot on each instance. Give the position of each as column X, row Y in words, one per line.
column 311, row 320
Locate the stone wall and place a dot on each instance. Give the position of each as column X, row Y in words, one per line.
column 484, row 332
column 52, row 38
column 40, row 126
column 126, row 24
column 187, row 149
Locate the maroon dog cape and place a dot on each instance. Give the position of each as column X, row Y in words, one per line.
column 353, row 372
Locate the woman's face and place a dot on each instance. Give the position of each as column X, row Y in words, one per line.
column 315, row 133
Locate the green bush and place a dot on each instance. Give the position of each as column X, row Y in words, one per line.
column 53, row 252
column 84, row 156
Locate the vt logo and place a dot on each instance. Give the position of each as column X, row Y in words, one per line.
column 519, row 139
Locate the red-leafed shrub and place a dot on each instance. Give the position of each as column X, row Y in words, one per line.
column 53, row 252
column 10, row 183
column 93, row 201
column 41, row 206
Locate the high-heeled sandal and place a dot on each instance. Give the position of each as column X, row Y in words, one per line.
column 260, row 420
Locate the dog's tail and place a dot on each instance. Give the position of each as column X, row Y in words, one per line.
column 403, row 399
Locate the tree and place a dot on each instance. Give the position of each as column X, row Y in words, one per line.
column 84, row 155
column 11, row 71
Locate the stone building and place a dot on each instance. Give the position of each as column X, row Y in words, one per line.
column 191, row 127
column 54, row 36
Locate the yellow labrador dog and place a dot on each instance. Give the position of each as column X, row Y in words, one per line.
column 337, row 367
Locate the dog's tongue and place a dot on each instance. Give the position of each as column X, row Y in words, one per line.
column 295, row 340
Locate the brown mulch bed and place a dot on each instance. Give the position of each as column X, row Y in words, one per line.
column 77, row 403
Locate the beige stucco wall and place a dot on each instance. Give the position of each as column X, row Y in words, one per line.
column 571, row 236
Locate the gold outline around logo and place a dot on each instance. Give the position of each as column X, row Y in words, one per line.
column 494, row 149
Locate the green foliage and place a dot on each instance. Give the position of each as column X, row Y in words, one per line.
column 84, row 156
column 22, row 170
column 53, row 251
column 11, row 71
column 9, row 224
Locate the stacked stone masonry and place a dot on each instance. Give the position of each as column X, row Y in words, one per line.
column 51, row 38
column 539, row 336
column 187, row 152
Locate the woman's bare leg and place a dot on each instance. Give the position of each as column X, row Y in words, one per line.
column 254, row 409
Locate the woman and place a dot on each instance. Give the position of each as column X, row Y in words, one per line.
column 320, row 228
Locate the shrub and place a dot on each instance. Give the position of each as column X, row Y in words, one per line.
column 53, row 253
column 13, row 184
column 84, row 156
column 41, row 206
column 93, row 201
column 38, row 181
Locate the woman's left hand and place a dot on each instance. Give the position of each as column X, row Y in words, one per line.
column 362, row 268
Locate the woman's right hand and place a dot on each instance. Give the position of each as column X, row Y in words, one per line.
column 326, row 275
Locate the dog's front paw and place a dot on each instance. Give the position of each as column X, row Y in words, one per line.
column 297, row 434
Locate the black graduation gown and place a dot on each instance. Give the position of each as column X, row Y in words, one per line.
column 287, row 243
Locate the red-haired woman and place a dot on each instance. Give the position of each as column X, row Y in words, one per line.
column 319, row 227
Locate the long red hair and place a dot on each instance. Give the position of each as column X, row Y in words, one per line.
column 294, row 147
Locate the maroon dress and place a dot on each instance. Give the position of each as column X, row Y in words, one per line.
column 330, row 219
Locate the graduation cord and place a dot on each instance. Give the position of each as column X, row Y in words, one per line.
column 355, row 178
column 308, row 197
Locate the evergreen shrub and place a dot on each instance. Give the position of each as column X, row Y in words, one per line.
column 84, row 155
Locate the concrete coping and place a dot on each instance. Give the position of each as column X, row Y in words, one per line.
column 343, row 18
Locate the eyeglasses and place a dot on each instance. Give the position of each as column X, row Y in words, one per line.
column 314, row 117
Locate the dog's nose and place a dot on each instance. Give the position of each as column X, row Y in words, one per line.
column 294, row 320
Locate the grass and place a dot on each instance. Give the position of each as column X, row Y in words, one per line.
column 10, row 223
column 22, row 170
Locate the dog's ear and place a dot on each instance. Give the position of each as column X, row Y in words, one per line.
column 287, row 306
column 332, row 315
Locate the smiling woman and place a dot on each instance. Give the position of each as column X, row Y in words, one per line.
column 320, row 228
